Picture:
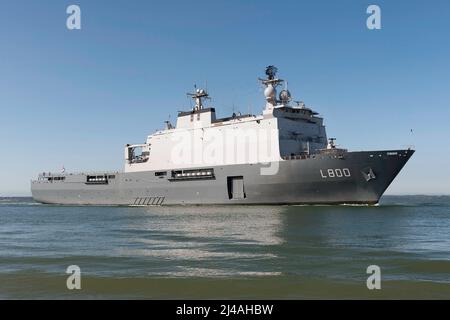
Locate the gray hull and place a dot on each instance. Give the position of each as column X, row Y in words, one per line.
column 356, row 178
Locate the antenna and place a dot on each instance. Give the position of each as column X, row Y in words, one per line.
column 168, row 124
column 198, row 96
column 271, row 72
column 206, row 89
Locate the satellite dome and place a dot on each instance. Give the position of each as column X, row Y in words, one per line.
column 285, row 95
column 270, row 93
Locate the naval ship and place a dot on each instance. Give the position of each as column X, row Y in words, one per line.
column 282, row 156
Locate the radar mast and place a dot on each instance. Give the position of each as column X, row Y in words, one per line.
column 271, row 83
column 198, row 97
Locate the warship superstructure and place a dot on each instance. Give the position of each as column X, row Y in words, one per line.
column 282, row 156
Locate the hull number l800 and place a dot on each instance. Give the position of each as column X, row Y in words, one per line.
column 334, row 173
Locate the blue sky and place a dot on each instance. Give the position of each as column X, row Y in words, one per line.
column 77, row 97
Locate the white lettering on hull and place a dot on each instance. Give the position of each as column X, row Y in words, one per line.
column 335, row 173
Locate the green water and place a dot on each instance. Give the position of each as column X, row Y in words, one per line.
column 277, row 252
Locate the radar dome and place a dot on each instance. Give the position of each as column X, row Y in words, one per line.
column 270, row 93
column 285, row 95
